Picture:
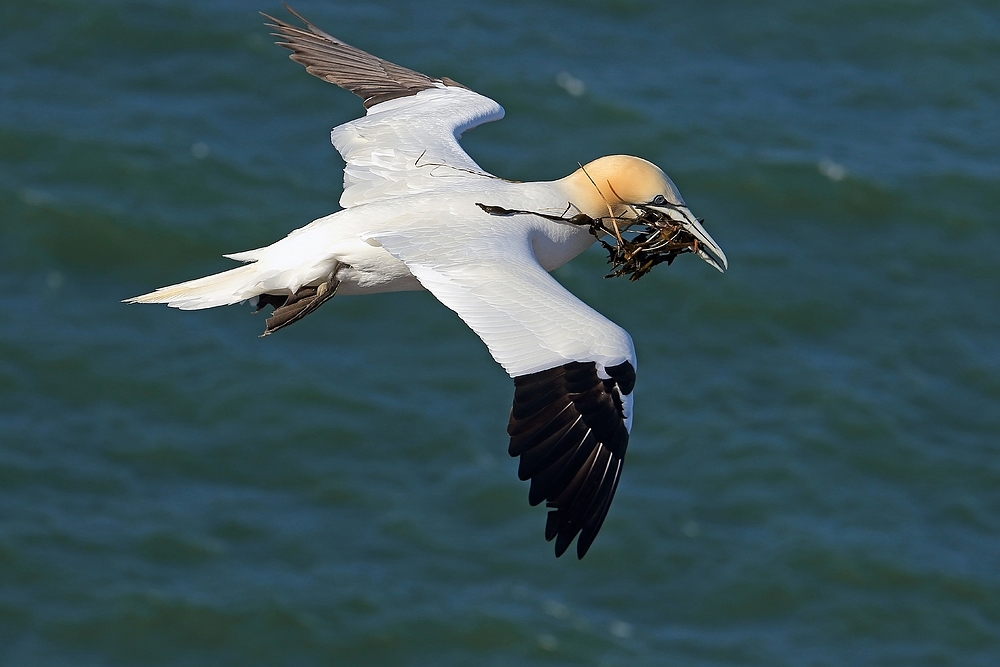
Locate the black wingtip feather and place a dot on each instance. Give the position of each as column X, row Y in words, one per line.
column 549, row 483
column 568, row 426
column 552, row 453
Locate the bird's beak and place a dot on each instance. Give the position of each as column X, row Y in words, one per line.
column 707, row 248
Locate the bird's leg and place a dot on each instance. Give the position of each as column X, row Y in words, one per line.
column 298, row 305
column 273, row 300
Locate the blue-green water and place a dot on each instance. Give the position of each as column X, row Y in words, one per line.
column 814, row 471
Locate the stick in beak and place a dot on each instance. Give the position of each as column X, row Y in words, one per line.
column 707, row 249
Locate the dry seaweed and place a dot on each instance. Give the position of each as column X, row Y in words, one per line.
column 634, row 244
column 642, row 242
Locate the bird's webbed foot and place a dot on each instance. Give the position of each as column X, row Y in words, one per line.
column 293, row 307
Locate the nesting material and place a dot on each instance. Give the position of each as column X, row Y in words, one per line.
column 634, row 244
column 638, row 244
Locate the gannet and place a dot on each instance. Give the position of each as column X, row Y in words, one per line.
column 419, row 213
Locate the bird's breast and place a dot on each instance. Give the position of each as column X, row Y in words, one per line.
column 555, row 244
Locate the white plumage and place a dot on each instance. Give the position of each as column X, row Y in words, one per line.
column 420, row 213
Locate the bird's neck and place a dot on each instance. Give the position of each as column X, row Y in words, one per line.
column 589, row 189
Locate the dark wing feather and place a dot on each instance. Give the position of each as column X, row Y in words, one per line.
column 568, row 426
column 372, row 79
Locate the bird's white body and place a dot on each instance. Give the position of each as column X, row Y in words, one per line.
column 420, row 213
column 426, row 182
column 343, row 242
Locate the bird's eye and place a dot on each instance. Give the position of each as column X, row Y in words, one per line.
column 659, row 200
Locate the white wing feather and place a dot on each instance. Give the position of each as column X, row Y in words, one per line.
column 408, row 145
column 492, row 280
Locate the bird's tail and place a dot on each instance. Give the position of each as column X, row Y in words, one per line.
column 219, row 289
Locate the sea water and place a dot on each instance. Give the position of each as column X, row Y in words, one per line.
column 814, row 471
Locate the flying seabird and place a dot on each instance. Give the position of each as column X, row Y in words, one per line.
column 419, row 213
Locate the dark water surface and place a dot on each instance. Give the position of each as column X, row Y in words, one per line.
column 814, row 472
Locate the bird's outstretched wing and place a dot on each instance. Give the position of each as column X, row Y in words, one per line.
column 573, row 369
column 369, row 77
column 408, row 141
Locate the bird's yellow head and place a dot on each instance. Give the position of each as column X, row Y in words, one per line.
column 612, row 185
